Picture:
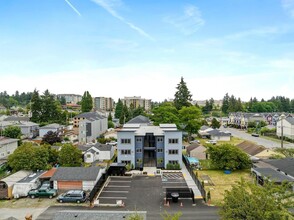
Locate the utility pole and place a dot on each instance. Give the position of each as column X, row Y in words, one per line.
column 282, row 130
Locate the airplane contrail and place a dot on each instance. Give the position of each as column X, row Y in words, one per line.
column 73, row 8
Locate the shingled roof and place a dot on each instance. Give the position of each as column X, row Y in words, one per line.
column 76, row 173
column 140, row 119
column 251, row 148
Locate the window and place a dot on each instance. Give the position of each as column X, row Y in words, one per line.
column 173, row 151
column 173, row 141
column 160, row 139
column 126, row 161
column 138, row 139
column 160, row 150
column 125, row 152
column 173, row 161
column 125, row 141
column 139, row 150
column 88, row 155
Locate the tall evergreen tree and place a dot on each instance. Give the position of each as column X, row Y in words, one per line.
column 118, row 109
column 87, row 102
column 225, row 105
column 183, row 96
column 36, row 107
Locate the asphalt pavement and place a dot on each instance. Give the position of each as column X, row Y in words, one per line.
column 258, row 140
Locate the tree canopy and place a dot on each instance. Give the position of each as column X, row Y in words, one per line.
column 165, row 113
column 227, row 156
column 51, row 138
column 12, row 132
column 29, row 157
column 247, row 200
column 70, row 156
column 183, row 96
column 87, row 102
column 215, row 123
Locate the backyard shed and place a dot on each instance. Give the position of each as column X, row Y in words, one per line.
column 22, row 187
column 6, row 184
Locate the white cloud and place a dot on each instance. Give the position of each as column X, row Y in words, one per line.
column 260, row 32
column 109, row 6
column 188, row 22
column 73, row 8
column 288, row 5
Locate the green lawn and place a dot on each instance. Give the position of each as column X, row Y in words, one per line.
column 222, row 182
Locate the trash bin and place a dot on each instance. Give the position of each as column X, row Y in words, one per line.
column 175, row 196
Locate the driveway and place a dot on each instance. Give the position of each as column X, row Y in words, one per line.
column 259, row 140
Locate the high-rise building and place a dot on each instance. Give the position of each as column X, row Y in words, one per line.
column 103, row 103
column 137, row 101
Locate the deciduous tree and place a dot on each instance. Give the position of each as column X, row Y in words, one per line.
column 227, row 156
column 247, row 200
column 70, row 156
column 12, row 132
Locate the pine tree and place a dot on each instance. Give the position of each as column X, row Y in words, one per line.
column 225, row 105
column 182, row 95
column 118, row 109
column 87, row 102
column 36, row 107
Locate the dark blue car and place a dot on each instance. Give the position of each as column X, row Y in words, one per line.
column 77, row 196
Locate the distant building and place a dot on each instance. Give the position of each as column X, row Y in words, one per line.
column 287, row 126
column 71, row 98
column 28, row 129
column 7, row 146
column 203, row 102
column 103, row 103
column 137, row 101
column 91, row 125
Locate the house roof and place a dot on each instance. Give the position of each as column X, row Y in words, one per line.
column 286, row 165
column 51, row 126
column 76, row 173
column 6, row 140
column 90, row 116
column 12, row 179
column 192, row 147
column 290, row 120
column 273, row 175
column 204, row 127
column 49, row 173
column 251, row 148
column 216, row 132
column 31, row 177
column 16, row 118
column 103, row 147
column 140, row 119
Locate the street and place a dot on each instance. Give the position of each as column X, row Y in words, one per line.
column 259, row 140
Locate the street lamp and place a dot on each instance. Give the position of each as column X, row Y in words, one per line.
column 282, row 117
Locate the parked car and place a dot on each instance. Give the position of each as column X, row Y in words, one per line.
column 211, row 142
column 43, row 191
column 255, row 135
column 195, row 142
column 77, row 196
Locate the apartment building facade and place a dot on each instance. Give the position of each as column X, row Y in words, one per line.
column 137, row 101
column 103, row 103
column 71, row 98
column 145, row 145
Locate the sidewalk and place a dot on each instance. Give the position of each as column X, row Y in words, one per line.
column 190, row 182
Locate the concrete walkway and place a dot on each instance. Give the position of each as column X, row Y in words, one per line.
column 190, row 182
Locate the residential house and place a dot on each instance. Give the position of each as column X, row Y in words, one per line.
column 203, row 131
column 16, row 118
column 148, row 145
column 51, row 127
column 7, row 146
column 84, row 178
column 196, row 150
column 96, row 152
column 277, row 170
column 28, row 129
column 2, row 117
column 6, row 184
column 256, row 151
column 218, row 135
column 287, row 126
column 91, row 125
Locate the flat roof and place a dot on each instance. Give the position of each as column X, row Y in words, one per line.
column 273, row 175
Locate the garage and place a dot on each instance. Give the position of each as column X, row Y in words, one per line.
column 69, row 178
column 67, row 185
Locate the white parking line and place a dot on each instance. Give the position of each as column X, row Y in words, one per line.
column 112, row 197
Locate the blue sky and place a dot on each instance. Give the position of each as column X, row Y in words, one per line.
column 142, row 48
